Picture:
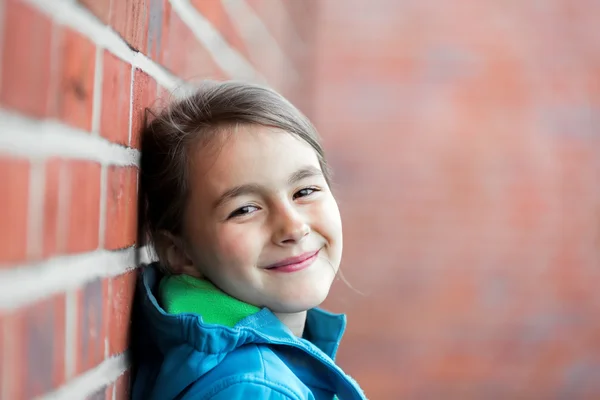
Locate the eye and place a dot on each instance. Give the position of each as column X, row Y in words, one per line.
column 243, row 211
column 305, row 192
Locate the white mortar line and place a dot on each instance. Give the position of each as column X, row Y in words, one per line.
column 70, row 333
column 103, row 201
column 258, row 38
column 91, row 381
column 56, row 54
column 78, row 18
column 226, row 57
column 97, row 102
column 42, row 139
column 107, row 336
column 25, row 284
column 131, row 86
column 64, row 205
column 101, row 236
column 6, row 359
column 156, row 71
column 35, row 210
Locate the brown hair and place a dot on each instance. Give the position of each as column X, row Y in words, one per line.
column 166, row 140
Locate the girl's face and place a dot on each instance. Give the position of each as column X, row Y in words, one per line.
column 261, row 222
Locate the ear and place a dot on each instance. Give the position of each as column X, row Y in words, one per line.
column 177, row 256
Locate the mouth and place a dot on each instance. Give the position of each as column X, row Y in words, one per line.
column 293, row 264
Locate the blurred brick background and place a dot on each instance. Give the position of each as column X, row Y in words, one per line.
column 465, row 139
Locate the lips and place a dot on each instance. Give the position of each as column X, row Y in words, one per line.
column 293, row 260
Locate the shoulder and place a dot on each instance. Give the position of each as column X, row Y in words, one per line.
column 251, row 371
column 244, row 387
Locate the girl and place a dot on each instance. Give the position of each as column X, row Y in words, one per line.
column 237, row 203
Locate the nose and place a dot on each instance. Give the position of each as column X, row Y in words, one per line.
column 290, row 226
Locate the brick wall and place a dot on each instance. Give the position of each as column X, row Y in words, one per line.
column 75, row 78
column 465, row 141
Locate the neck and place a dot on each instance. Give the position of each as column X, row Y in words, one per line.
column 294, row 321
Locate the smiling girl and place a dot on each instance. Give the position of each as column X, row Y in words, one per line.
column 238, row 205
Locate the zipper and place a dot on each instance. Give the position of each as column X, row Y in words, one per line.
column 323, row 358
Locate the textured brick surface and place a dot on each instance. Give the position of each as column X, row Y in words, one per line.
column 83, row 182
column 55, row 211
column 75, row 83
column 215, row 12
column 40, row 339
column 92, row 324
column 130, row 19
column 122, row 386
column 195, row 63
column 144, row 96
column 100, row 8
column 159, row 20
column 116, row 89
column 121, row 207
column 14, row 199
column 26, row 49
column 120, row 312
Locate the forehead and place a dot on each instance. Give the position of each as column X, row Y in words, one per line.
column 249, row 154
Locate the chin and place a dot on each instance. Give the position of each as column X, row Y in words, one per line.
column 308, row 299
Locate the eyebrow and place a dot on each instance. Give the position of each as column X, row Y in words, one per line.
column 253, row 188
column 305, row 172
column 250, row 188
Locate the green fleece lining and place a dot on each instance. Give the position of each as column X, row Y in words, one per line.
column 185, row 294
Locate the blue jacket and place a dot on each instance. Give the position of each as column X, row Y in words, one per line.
column 179, row 356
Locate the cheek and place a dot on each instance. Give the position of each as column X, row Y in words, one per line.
column 236, row 246
column 328, row 220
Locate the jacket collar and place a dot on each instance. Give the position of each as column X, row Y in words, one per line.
column 323, row 329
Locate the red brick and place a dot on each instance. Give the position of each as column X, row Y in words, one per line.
column 116, row 95
column 144, row 95
column 122, row 387
column 130, row 19
column 25, row 79
column 75, row 96
column 158, row 28
column 4, row 358
column 11, row 362
column 93, row 318
column 266, row 59
column 185, row 56
column 121, row 207
column 14, row 198
column 84, row 206
column 52, row 206
column 42, row 345
column 215, row 13
column 122, row 291
column 100, row 8
column 14, row 366
column 109, row 392
column 163, row 98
